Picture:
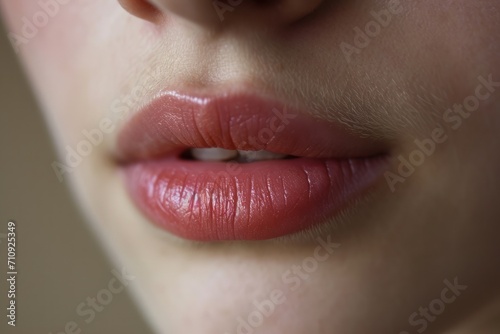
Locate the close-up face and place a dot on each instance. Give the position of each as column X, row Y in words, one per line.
column 284, row 166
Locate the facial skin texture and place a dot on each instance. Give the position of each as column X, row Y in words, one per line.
column 395, row 251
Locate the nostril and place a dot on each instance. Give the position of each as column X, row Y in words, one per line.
column 213, row 14
column 140, row 8
column 294, row 10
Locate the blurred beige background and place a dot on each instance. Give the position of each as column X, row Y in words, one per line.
column 59, row 262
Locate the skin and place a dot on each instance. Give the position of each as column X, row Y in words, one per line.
column 395, row 250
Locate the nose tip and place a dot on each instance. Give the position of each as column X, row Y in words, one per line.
column 218, row 13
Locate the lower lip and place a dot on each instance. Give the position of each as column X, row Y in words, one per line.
column 222, row 201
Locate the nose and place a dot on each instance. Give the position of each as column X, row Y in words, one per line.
column 219, row 13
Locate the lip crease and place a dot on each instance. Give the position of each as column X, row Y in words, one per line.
column 221, row 201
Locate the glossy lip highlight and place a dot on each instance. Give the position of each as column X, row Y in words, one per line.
column 214, row 201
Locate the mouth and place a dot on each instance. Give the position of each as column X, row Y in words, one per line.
column 241, row 167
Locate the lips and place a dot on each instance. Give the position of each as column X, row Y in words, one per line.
column 325, row 170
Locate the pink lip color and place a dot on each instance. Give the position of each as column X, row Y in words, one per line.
column 215, row 201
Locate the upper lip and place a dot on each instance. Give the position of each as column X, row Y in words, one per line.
column 173, row 122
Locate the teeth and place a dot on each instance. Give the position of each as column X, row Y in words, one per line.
column 213, row 154
column 220, row 154
column 249, row 156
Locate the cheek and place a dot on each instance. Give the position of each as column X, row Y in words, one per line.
column 439, row 52
column 35, row 24
column 61, row 43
